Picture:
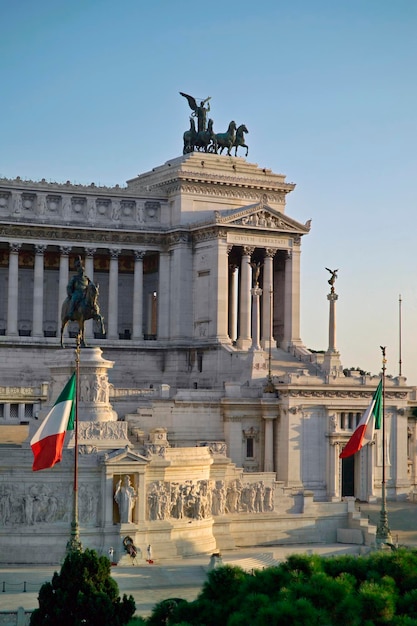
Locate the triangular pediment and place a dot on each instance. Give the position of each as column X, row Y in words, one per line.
column 261, row 216
column 124, row 455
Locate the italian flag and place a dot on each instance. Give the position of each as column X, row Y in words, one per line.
column 48, row 441
column 370, row 421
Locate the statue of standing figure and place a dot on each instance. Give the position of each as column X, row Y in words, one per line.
column 125, row 497
column 200, row 111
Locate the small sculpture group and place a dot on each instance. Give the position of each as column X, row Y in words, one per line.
column 203, row 138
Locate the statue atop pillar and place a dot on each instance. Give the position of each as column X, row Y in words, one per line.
column 81, row 303
column 332, row 278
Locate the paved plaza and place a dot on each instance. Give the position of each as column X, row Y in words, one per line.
column 183, row 578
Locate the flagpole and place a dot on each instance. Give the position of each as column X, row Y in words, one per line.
column 383, row 533
column 400, row 336
column 74, row 543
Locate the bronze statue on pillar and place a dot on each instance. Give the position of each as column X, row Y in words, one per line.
column 81, row 303
column 332, row 279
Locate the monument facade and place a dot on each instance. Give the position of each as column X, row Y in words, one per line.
column 198, row 399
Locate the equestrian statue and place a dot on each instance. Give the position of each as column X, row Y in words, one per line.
column 203, row 138
column 81, row 303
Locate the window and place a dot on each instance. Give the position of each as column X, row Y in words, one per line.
column 249, row 448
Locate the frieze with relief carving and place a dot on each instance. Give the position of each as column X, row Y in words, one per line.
column 92, row 431
column 39, row 503
column 205, row 498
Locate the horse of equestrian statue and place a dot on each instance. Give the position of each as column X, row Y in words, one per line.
column 204, row 139
column 240, row 139
column 227, row 139
column 86, row 309
column 189, row 138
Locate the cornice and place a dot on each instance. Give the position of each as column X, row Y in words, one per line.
column 235, row 181
column 339, row 393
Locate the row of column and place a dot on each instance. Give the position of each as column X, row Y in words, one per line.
column 244, row 302
column 38, row 290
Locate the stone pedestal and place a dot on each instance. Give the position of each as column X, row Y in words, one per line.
column 93, row 384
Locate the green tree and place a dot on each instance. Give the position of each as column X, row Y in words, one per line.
column 82, row 594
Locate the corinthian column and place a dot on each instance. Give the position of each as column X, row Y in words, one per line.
column 63, row 279
column 138, row 295
column 12, row 296
column 292, row 298
column 233, row 291
column 244, row 340
column 37, row 324
column 89, row 270
column 267, row 295
column 112, row 323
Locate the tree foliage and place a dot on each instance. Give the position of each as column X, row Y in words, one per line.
column 82, row 594
column 380, row 589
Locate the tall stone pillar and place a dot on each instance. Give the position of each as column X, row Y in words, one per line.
column 137, row 326
column 37, row 323
column 163, row 295
column 331, row 362
column 89, row 270
column 292, row 298
column 244, row 341
column 13, row 290
column 63, row 280
column 233, row 295
column 268, row 288
column 112, row 323
column 220, row 303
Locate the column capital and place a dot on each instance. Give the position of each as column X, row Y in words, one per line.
column 139, row 254
column 114, row 253
column 65, row 250
column 248, row 250
column 15, row 247
column 90, row 252
column 332, row 297
column 270, row 252
column 40, row 249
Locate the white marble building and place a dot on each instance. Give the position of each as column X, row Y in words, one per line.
column 198, row 266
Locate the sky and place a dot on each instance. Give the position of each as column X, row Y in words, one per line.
column 328, row 91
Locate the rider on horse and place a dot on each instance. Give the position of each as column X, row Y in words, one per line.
column 76, row 287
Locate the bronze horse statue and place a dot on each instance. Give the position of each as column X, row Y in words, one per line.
column 240, row 139
column 205, row 137
column 227, row 139
column 87, row 309
column 189, row 138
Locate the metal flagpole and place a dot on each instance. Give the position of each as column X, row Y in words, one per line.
column 74, row 544
column 383, row 533
column 400, row 337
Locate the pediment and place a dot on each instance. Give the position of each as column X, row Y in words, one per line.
column 261, row 216
column 124, row 455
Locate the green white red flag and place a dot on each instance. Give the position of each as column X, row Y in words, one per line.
column 370, row 421
column 48, row 441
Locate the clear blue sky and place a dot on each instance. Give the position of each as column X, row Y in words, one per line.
column 327, row 89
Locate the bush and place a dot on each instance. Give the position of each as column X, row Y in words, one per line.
column 83, row 593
